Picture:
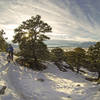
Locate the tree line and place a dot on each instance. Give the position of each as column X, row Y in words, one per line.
column 30, row 36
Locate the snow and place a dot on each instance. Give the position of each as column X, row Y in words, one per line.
column 25, row 84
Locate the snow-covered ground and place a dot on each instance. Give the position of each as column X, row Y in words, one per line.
column 25, row 84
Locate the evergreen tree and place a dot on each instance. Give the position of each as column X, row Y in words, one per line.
column 94, row 58
column 76, row 58
column 57, row 54
column 3, row 43
column 30, row 36
column 70, row 55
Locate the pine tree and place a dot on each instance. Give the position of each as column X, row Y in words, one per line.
column 3, row 43
column 57, row 54
column 76, row 58
column 94, row 58
column 30, row 36
column 70, row 55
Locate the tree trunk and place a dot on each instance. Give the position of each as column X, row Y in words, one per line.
column 78, row 69
column 34, row 52
column 35, row 60
column 99, row 75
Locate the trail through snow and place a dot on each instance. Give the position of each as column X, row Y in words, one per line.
column 25, row 84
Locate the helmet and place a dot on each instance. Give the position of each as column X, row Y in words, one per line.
column 9, row 45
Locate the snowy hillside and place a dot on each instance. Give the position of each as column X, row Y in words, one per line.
column 50, row 84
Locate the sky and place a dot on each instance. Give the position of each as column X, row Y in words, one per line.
column 76, row 20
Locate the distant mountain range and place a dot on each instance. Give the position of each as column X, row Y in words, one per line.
column 67, row 43
column 64, row 43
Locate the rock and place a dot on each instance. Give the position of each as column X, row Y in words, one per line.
column 78, row 84
column 61, row 66
column 40, row 79
column 2, row 90
column 69, row 96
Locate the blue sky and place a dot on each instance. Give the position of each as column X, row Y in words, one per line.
column 77, row 20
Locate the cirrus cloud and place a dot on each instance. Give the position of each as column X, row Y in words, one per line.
column 70, row 19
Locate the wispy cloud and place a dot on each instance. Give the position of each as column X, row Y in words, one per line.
column 70, row 19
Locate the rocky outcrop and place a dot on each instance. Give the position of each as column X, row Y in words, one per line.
column 2, row 90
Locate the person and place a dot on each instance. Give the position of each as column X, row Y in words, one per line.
column 10, row 52
column 8, row 58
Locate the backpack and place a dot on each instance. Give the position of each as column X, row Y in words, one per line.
column 10, row 49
